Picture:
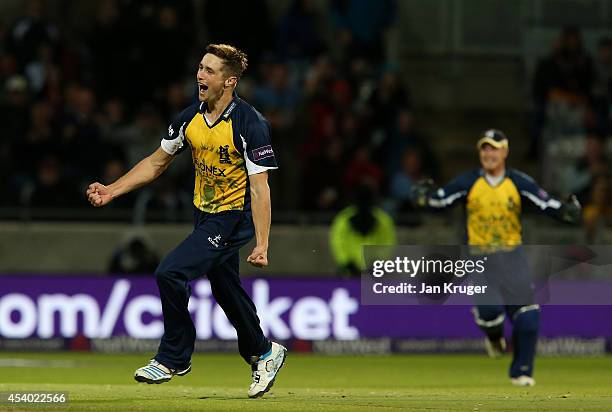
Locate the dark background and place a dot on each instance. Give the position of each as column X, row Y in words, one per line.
column 375, row 94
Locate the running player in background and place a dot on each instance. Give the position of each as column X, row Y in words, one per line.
column 494, row 197
column 231, row 150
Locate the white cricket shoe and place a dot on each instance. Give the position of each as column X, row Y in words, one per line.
column 495, row 348
column 265, row 370
column 523, row 380
column 155, row 372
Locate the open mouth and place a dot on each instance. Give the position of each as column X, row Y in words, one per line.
column 202, row 87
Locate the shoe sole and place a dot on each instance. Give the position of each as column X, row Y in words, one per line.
column 144, row 379
column 261, row 393
column 522, row 384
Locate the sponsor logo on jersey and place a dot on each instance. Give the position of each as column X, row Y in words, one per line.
column 263, row 153
column 203, row 169
column 542, row 194
column 215, row 241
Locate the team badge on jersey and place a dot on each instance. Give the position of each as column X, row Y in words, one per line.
column 224, row 156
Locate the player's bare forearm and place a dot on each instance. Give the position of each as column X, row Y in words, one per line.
column 262, row 211
column 147, row 170
column 261, row 207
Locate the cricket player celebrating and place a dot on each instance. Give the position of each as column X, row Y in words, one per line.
column 494, row 197
column 230, row 146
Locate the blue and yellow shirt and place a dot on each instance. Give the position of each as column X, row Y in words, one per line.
column 224, row 153
column 493, row 213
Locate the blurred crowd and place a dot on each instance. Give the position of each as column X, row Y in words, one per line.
column 572, row 122
column 86, row 97
column 570, row 78
column 84, row 102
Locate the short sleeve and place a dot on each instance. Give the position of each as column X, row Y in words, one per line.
column 174, row 143
column 258, row 152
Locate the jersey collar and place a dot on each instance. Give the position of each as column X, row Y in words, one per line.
column 228, row 110
column 501, row 178
column 482, row 172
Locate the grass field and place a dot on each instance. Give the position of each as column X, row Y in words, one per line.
column 97, row 382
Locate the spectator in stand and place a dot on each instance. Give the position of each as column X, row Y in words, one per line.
column 14, row 113
column 144, row 134
column 168, row 40
column 404, row 136
column 581, row 177
column 277, row 97
column 326, row 97
column 360, row 168
column 4, row 33
column 114, row 168
column 112, row 121
column 319, row 76
column 402, row 181
column 39, row 141
column 80, row 132
column 14, row 118
column 39, row 68
column 598, row 211
column 298, row 32
column 360, row 74
column 353, row 131
column 109, row 45
column 361, row 26
column 388, row 99
column 8, row 61
column 603, row 67
column 165, row 29
column 14, row 121
column 8, row 67
column 602, row 90
column 176, row 99
column 359, row 224
column 323, row 179
column 31, row 31
column 136, row 256
column 115, row 131
column 52, row 188
column 565, row 76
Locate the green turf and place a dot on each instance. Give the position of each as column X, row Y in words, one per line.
column 97, row 382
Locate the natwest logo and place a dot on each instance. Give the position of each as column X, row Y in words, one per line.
column 263, row 152
column 139, row 316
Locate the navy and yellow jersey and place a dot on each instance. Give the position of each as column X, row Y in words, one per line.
column 224, row 153
column 493, row 213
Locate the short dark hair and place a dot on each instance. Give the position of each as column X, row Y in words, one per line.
column 235, row 61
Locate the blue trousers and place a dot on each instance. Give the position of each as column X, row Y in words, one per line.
column 509, row 291
column 211, row 250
